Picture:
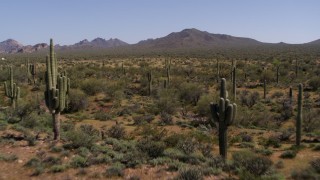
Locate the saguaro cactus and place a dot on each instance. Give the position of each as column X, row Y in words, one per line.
column 264, row 89
column 290, row 94
column 12, row 91
column 224, row 114
column 149, row 76
column 299, row 116
column 234, row 93
column 218, row 70
column 57, row 89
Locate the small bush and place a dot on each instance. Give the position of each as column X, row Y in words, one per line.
column 190, row 174
column 57, row 168
column 138, row 120
column 92, row 86
column 79, row 161
column 115, row 170
column 187, row 145
column 77, row 100
column 315, row 164
column 289, row 154
column 165, row 118
column 255, row 165
column 78, row 139
column 117, row 131
column 153, row 148
column 317, row 147
column 102, row 116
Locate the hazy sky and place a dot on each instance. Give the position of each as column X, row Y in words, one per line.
column 69, row 21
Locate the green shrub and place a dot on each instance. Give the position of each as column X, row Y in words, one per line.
column 102, row 116
column 115, row 170
column 165, row 118
column 314, row 82
column 190, row 174
column 78, row 138
column 202, row 105
column 153, row 148
column 77, row 100
column 58, row 168
column 51, row 160
column 304, row 174
column 187, row 145
column 190, row 92
column 317, row 147
column 117, row 131
column 138, row 120
column 93, row 86
column 315, row 164
column 167, row 102
column 8, row 158
column 251, row 163
column 79, row 161
column 289, row 154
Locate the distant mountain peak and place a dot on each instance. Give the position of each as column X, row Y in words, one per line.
column 194, row 38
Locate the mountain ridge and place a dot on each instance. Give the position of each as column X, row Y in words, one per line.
column 189, row 38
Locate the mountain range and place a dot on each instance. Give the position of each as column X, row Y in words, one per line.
column 187, row 38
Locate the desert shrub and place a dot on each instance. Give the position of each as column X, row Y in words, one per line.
column 102, row 115
column 117, row 131
column 253, row 164
column 286, row 110
column 187, row 145
column 265, row 152
column 190, row 92
column 138, row 120
column 307, row 173
column 315, row 164
column 317, row 147
column 216, row 162
column 279, row 165
column 203, row 105
column 153, row 132
column 58, row 168
column 277, row 94
column 286, row 134
column 8, row 158
column 190, row 174
column 115, row 170
column 167, row 102
column 89, row 130
column 165, row 118
column 205, row 149
column 77, row 100
column 51, row 160
column 79, row 161
column 273, row 141
column 78, row 138
column 92, row 86
column 289, row 154
column 310, row 120
column 248, row 98
column 173, row 139
column 314, row 82
column 175, row 165
column 153, row 148
column 246, row 137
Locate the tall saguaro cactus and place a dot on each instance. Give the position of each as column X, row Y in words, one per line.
column 224, row 114
column 264, row 89
column 57, row 89
column 12, row 91
column 299, row 116
column 234, row 93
